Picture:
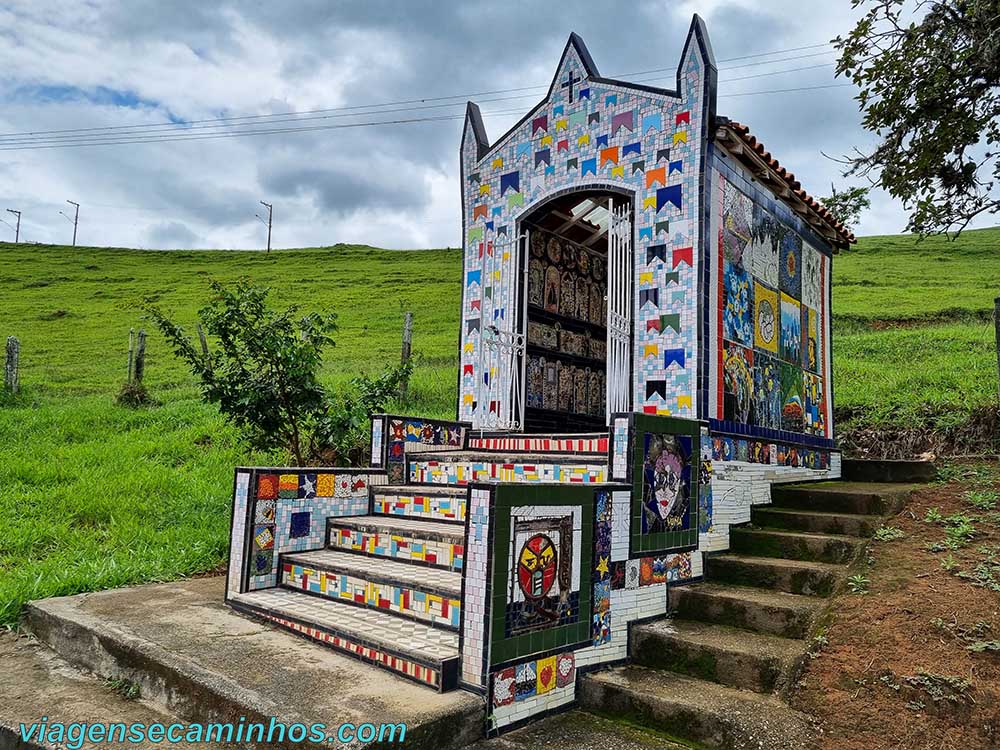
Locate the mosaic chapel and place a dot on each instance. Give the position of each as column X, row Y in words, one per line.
column 644, row 350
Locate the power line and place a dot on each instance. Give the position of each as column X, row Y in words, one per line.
column 186, row 124
column 172, row 134
column 127, row 139
column 10, row 141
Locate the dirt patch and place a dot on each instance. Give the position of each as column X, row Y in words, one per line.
column 977, row 435
column 915, row 662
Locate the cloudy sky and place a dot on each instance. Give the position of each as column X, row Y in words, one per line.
column 149, row 63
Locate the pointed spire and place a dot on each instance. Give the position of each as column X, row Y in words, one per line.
column 474, row 132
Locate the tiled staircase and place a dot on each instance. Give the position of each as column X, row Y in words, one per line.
column 716, row 671
column 388, row 585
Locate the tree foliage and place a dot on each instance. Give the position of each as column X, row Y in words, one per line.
column 264, row 375
column 928, row 73
column 848, row 204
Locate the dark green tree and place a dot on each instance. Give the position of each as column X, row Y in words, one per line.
column 928, row 73
column 847, row 204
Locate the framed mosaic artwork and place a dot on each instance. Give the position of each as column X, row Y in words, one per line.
column 665, row 483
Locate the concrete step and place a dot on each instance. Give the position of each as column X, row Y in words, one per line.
column 695, row 710
column 860, row 470
column 429, row 595
column 445, row 504
column 408, row 539
column 793, row 545
column 462, row 467
column 847, row 524
column 595, row 443
column 793, row 576
column 36, row 683
column 420, row 652
column 718, row 653
column 862, row 498
column 579, row 730
column 774, row 612
column 204, row 662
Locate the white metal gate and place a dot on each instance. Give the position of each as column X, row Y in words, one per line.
column 620, row 283
column 500, row 402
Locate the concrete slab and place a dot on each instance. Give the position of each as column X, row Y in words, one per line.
column 204, row 662
column 578, row 730
column 38, row 683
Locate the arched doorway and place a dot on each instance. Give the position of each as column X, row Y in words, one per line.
column 577, row 311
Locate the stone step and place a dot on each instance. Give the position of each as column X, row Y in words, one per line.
column 37, row 682
column 697, row 711
column 462, row 467
column 412, row 540
column 793, row 545
column 719, row 653
column 422, row 653
column 205, row 662
column 579, row 730
column 774, row 612
column 793, row 576
column 596, row 443
column 848, row 524
column 426, row 594
column 860, row 470
column 446, row 504
column 862, row 498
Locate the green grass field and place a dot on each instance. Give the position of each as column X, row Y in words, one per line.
column 93, row 495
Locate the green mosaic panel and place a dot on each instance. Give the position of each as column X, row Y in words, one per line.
column 663, row 541
column 505, row 498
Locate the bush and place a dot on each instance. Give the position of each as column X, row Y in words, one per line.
column 264, row 376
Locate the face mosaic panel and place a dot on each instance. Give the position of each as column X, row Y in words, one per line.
column 647, row 145
column 665, row 480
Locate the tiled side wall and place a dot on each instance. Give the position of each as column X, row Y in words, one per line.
column 285, row 510
column 738, row 485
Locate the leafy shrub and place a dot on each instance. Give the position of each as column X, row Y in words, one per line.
column 264, row 375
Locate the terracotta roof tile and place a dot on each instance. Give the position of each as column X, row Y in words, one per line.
column 750, row 140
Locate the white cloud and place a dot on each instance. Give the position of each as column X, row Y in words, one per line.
column 394, row 185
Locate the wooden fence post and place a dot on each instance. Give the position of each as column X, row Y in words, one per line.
column 140, row 357
column 996, row 323
column 11, row 381
column 131, row 353
column 407, row 349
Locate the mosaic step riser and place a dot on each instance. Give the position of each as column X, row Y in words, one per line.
column 447, row 509
column 433, row 609
column 436, row 553
column 462, row 473
column 441, row 677
column 569, row 444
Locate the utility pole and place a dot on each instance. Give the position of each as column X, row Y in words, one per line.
column 75, row 219
column 17, row 230
column 268, row 222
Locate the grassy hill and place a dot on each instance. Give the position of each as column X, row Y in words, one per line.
column 93, row 495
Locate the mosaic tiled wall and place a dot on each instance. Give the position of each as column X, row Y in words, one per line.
column 535, row 607
column 285, row 510
column 393, row 437
column 402, row 599
column 769, row 347
column 596, row 133
column 580, row 471
column 425, row 547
